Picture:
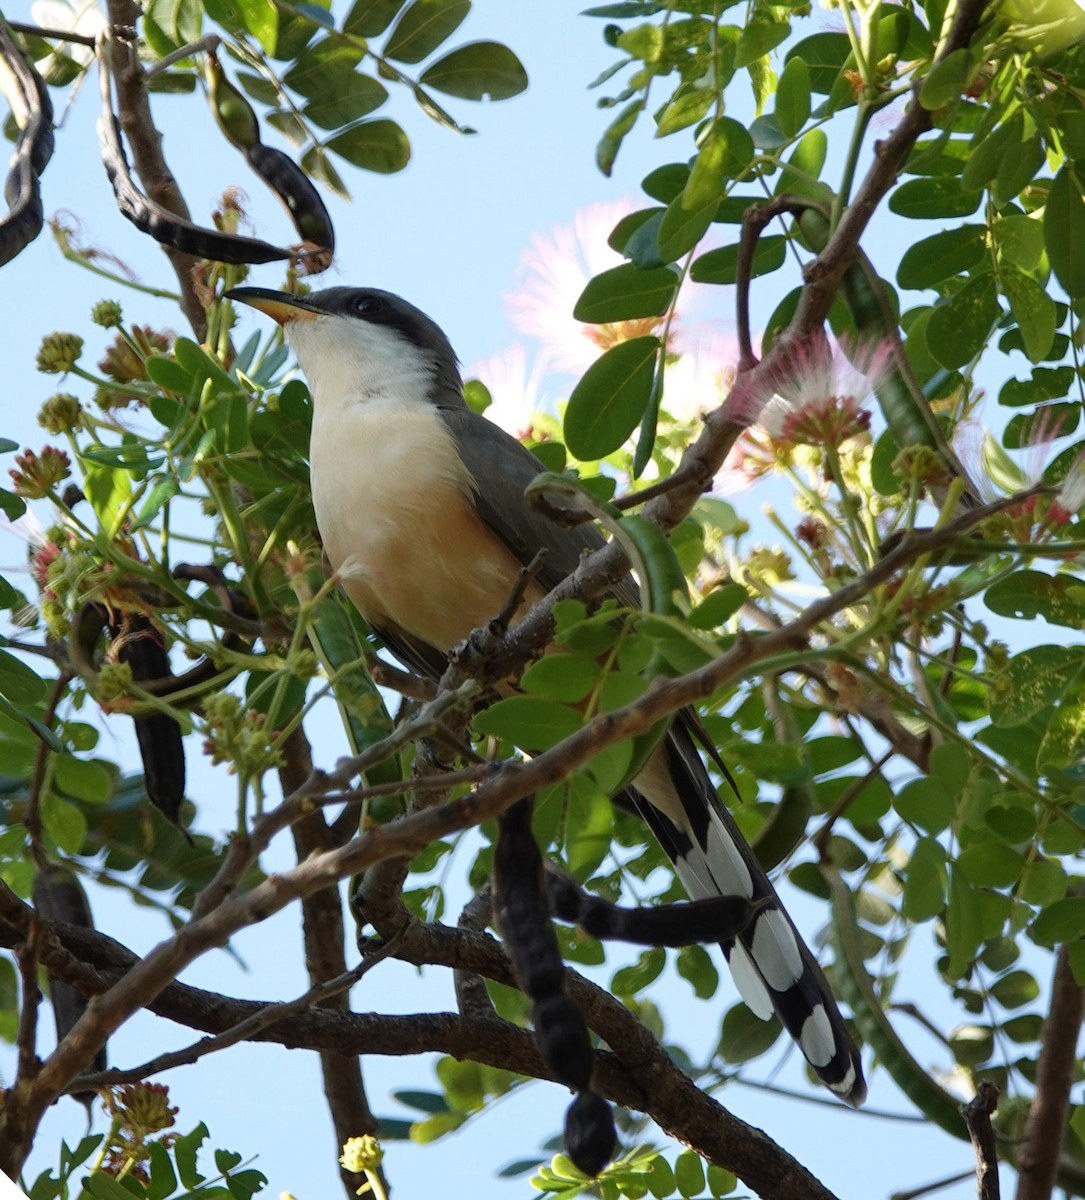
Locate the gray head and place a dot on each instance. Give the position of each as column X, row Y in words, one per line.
column 366, row 339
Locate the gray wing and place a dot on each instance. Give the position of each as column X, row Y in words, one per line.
column 502, row 468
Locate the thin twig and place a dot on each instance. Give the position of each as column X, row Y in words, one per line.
column 27, row 1038
column 977, row 1116
column 58, row 35
column 928, row 1188
column 246, row 1030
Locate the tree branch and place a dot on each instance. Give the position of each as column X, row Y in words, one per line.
column 322, row 933
column 640, row 1076
column 1038, row 1155
column 134, row 114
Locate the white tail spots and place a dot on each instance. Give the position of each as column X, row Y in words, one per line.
column 749, row 983
column 819, row 1045
column 775, row 950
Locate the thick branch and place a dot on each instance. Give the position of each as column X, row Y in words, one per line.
column 322, row 932
column 641, row 1076
column 145, row 142
column 1038, row 1156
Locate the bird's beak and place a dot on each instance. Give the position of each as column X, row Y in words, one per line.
column 279, row 306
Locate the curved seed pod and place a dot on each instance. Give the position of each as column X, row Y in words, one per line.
column 234, row 115
column 33, row 112
column 151, row 218
column 590, row 1137
column 294, row 188
column 522, row 912
column 58, row 896
column 238, row 121
column 137, row 643
column 161, row 746
column 684, row 924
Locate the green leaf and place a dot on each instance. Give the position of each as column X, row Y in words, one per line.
column 943, row 196
column 721, row 265
column 626, row 293
column 83, row 779
column 793, row 97
column 689, row 1174
column 64, row 823
column 1026, row 595
column 925, row 882
column 529, row 721
column 1045, row 383
column 379, row 146
column 19, row 683
column 682, row 228
column 825, row 55
column 184, row 1153
column 684, row 110
column 589, row 827
column 11, row 506
column 352, row 95
column 663, row 184
column 1032, row 681
column 108, row 492
column 368, row 18
column 744, row 1036
column 609, row 401
column 1020, row 240
column 627, row 981
column 988, row 864
column 427, row 1102
column 1016, row 989
column 163, row 1181
column 964, row 931
column 476, row 71
column 947, row 80
column 261, row 19
column 164, row 488
column 960, row 328
column 1033, row 310
column 928, row 262
column 1063, row 921
column 104, row 1187
column 696, row 967
column 1064, row 231
column 1063, row 743
column 611, row 142
column 423, row 27
column 567, row 677
column 927, row 803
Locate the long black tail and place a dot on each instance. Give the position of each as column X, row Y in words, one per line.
column 773, row 968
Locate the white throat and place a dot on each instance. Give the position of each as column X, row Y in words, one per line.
column 348, row 361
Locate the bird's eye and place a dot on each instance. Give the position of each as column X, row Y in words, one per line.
column 364, row 305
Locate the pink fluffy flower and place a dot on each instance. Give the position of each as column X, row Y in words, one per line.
column 513, row 388
column 553, row 272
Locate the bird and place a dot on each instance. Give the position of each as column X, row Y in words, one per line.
column 420, row 506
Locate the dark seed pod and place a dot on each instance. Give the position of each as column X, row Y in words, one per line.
column 563, row 1039
column 164, row 226
column 686, row 924
column 59, row 897
column 590, row 1136
column 295, row 189
column 33, row 112
column 521, row 907
column 161, row 746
